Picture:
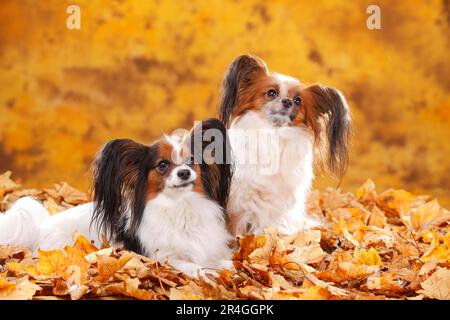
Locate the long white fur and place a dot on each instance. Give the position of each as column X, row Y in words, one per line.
column 261, row 198
column 186, row 228
column 28, row 223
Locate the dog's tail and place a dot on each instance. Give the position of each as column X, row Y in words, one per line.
column 20, row 224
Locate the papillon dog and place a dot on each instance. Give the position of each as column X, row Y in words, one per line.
column 151, row 199
column 284, row 124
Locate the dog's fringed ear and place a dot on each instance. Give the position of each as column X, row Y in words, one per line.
column 120, row 185
column 211, row 149
column 241, row 73
column 327, row 113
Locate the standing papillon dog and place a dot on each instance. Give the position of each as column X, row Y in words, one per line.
column 152, row 199
column 278, row 126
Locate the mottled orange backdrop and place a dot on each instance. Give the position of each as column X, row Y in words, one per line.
column 140, row 68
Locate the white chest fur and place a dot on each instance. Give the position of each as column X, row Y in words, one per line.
column 184, row 228
column 272, row 177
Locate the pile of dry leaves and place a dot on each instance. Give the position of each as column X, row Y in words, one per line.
column 392, row 245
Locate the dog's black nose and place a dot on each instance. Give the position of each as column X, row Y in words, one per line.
column 184, row 174
column 287, row 103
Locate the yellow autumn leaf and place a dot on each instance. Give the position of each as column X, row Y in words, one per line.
column 51, row 262
column 6, row 287
column 439, row 248
column 255, row 292
column 84, row 245
column 315, row 293
column 350, row 257
column 248, row 245
column 367, row 257
column 345, row 266
column 328, row 286
column 107, row 265
column 56, row 262
column 19, row 269
column 23, row 289
column 367, row 191
column 379, row 282
column 395, row 201
column 191, row 291
column 259, row 257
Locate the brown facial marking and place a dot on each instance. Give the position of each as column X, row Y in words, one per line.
column 165, row 151
column 254, row 79
column 307, row 115
column 253, row 97
column 198, row 185
column 294, row 91
column 156, row 180
column 155, row 184
column 271, row 84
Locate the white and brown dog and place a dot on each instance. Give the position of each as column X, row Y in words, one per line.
column 278, row 127
column 152, row 199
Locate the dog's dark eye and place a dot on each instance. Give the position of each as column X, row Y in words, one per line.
column 190, row 161
column 271, row 93
column 163, row 166
column 297, row 100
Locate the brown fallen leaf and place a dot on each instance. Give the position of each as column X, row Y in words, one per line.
column 13, row 252
column 107, row 265
column 439, row 248
column 64, row 288
column 388, row 245
column 437, row 286
column 130, row 288
column 315, row 293
column 377, row 218
column 367, row 192
column 6, row 287
column 395, row 202
column 6, row 183
column 191, row 291
column 426, row 216
column 71, row 195
column 332, row 289
column 19, row 269
column 23, row 289
column 56, row 262
column 84, row 245
column 52, row 206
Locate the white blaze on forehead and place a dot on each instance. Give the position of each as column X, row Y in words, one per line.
column 285, row 83
column 176, row 142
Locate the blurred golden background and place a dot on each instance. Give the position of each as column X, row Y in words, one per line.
column 140, row 68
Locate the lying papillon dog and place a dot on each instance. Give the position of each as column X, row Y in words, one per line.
column 154, row 200
column 278, row 127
